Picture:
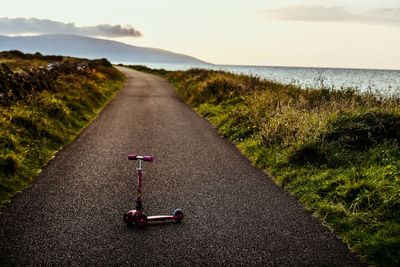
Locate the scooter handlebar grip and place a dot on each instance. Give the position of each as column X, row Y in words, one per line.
column 148, row 158
column 132, row 157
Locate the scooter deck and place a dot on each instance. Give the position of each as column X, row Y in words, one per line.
column 161, row 217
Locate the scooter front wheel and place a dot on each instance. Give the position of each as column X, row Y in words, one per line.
column 129, row 217
column 141, row 220
column 178, row 214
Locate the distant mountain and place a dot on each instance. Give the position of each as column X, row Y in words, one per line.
column 87, row 47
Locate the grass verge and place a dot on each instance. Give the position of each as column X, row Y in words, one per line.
column 337, row 151
column 40, row 122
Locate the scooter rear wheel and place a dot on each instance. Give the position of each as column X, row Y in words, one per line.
column 141, row 220
column 178, row 214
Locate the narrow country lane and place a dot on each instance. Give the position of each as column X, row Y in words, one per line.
column 234, row 214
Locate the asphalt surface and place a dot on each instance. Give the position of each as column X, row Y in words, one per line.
column 234, row 214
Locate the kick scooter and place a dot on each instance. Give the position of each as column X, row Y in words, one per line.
column 137, row 216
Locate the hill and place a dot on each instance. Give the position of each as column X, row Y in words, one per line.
column 88, row 47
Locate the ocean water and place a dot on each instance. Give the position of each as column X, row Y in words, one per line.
column 385, row 82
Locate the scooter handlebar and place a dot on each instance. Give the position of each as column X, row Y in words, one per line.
column 136, row 157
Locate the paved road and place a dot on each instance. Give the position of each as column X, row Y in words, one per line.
column 234, row 214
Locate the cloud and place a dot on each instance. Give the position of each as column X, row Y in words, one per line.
column 387, row 16
column 20, row 26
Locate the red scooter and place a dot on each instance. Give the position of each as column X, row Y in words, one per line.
column 137, row 215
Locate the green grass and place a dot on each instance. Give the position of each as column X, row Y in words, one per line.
column 337, row 151
column 33, row 128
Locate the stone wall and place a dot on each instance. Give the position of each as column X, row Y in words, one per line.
column 15, row 85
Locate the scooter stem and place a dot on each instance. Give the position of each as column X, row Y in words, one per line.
column 139, row 195
column 139, row 206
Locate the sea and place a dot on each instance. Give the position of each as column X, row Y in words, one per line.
column 378, row 81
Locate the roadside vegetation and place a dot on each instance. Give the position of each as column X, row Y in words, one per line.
column 45, row 101
column 337, row 151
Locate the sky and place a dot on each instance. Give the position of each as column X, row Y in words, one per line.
column 308, row 33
